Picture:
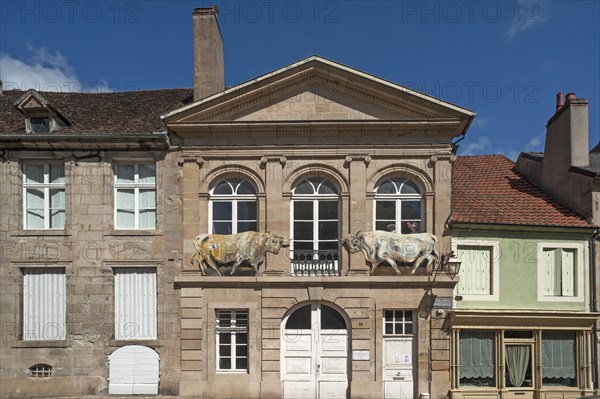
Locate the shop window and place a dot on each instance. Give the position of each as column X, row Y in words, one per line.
column 558, row 358
column 477, row 358
column 232, row 340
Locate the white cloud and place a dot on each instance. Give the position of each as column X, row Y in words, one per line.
column 480, row 122
column 527, row 14
column 536, row 144
column 479, row 147
column 43, row 70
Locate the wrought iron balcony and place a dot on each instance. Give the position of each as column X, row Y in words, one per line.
column 315, row 263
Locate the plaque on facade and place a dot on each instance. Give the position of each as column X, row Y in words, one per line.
column 442, row 302
column 360, row 355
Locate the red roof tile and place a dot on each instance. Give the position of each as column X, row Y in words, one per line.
column 487, row 189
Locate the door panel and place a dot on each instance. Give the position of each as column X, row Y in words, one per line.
column 315, row 361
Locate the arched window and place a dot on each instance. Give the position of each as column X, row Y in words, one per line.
column 315, row 228
column 398, row 206
column 233, row 207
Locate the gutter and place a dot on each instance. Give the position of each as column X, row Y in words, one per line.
column 594, row 308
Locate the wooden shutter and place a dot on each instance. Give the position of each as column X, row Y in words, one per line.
column 549, row 265
column 44, row 305
column 568, row 272
column 135, row 303
column 476, row 271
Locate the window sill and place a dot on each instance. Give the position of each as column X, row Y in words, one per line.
column 41, row 232
column 41, row 344
column 133, row 233
column 125, row 342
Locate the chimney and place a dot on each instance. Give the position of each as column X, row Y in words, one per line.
column 567, row 133
column 560, row 100
column 208, row 53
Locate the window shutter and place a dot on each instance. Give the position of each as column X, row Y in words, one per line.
column 549, row 264
column 135, row 303
column 44, row 305
column 475, row 273
column 568, row 272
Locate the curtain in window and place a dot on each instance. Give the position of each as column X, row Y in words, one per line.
column 477, row 354
column 125, row 209
column 558, row 354
column 517, row 360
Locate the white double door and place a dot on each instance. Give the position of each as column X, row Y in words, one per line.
column 314, row 353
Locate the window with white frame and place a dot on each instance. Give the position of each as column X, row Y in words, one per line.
column 561, row 271
column 398, row 206
column 135, row 303
column 44, row 304
column 231, row 328
column 135, row 196
column 43, row 196
column 315, row 216
column 233, row 207
column 398, row 322
column 479, row 275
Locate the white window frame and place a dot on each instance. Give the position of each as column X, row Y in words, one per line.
column 234, row 330
column 581, row 255
column 136, row 186
column 36, row 327
column 398, row 198
column 234, row 199
column 123, row 316
column 401, row 320
column 494, row 272
column 46, row 186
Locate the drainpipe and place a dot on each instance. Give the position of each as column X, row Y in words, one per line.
column 594, row 308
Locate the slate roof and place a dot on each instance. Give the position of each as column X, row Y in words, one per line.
column 487, row 189
column 118, row 112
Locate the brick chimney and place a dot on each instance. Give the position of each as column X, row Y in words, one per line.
column 567, row 142
column 208, row 53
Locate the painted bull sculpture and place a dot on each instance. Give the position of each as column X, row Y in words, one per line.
column 383, row 246
column 250, row 246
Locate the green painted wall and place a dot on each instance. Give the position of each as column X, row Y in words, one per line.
column 518, row 265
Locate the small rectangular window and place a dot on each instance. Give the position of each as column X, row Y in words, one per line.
column 135, row 196
column 398, row 322
column 43, row 196
column 40, row 125
column 232, row 340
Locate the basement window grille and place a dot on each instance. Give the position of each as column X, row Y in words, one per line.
column 41, row 370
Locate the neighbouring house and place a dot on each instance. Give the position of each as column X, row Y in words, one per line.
column 523, row 320
column 569, row 172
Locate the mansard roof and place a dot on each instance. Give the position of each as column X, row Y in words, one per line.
column 488, row 190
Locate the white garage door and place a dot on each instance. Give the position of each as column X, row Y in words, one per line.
column 133, row 369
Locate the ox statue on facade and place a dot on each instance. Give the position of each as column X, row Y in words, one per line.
column 383, row 246
column 250, row 246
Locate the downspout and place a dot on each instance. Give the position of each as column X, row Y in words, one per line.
column 594, row 308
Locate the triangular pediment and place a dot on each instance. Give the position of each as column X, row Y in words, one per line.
column 315, row 90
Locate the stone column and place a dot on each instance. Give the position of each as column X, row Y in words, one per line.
column 356, row 211
column 192, row 215
column 277, row 213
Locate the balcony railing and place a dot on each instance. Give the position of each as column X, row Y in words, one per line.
column 315, row 263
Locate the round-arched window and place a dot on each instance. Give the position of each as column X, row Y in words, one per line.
column 398, row 206
column 233, row 207
column 315, row 227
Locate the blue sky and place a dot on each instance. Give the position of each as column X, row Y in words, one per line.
column 505, row 60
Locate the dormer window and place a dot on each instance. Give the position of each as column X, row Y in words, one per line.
column 39, row 124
